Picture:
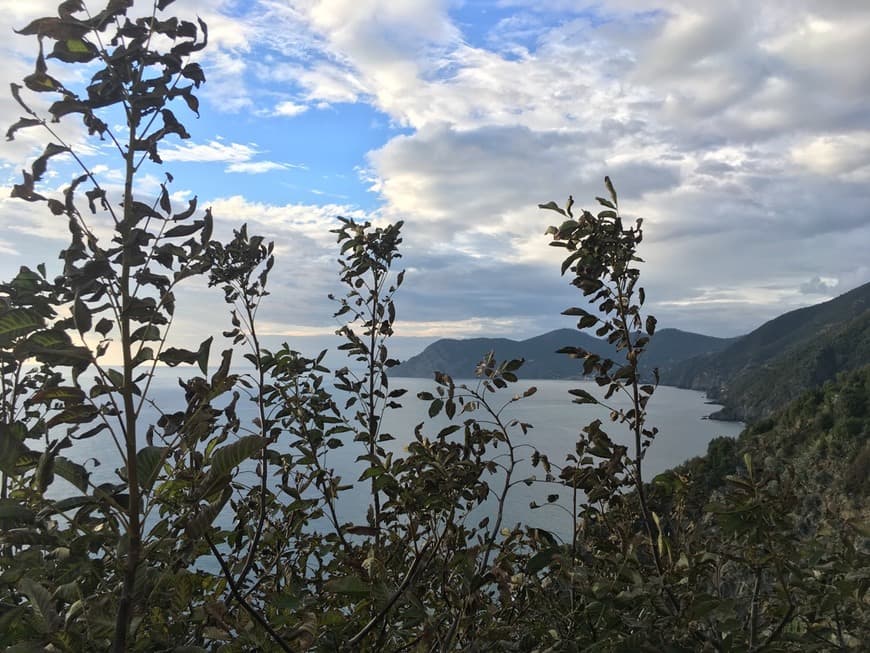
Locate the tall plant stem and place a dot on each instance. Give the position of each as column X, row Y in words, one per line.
column 134, row 535
column 374, row 424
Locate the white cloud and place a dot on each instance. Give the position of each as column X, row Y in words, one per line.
column 8, row 248
column 836, row 154
column 819, row 285
column 240, row 157
column 257, row 167
column 209, row 152
column 738, row 129
column 465, row 328
column 289, row 109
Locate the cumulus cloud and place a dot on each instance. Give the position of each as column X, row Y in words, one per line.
column 289, row 109
column 819, row 286
column 738, row 130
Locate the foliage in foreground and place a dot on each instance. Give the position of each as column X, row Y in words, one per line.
column 225, row 533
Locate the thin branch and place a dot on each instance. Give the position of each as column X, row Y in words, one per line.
column 753, row 610
column 409, row 576
column 234, row 590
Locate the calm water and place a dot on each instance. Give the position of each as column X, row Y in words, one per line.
column 683, row 433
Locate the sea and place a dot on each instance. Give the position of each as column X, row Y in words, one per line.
column 680, row 416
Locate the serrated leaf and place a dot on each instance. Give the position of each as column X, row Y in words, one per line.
column 18, row 322
column 71, row 503
column 149, row 460
column 11, row 450
column 349, row 585
column 11, row 510
column 26, row 537
column 225, row 459
column 76, row 414
column 146, row 332
column 66, row 394
column 54, row 347
column 540, row 561
column 72, row 472
column 203, row 519
column 40, row 601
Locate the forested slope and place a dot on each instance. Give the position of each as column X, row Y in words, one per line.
column 799, row 350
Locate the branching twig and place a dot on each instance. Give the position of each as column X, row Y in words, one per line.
column 234, row 590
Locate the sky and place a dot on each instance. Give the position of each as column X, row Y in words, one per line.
column 739, row 130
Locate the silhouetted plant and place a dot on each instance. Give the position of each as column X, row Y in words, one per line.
column 112, row 582
column 180, row 551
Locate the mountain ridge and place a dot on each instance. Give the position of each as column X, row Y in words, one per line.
column 750, row 375
column 793, row 352
column 458, row 357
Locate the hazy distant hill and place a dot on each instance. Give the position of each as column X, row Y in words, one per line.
column 459, row 357
column 771, row 365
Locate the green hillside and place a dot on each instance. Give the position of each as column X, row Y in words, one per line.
column 798, row 350
column 822, row 437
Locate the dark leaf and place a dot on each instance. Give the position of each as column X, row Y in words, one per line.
column 540, row 561
column 202, row 520
column 185, row 229
column 54, row 28
column 552, row 206
column 12, row 450
column 12, row 511
column 66, row 394
column 149, row 460
column 41, row 603
column 225, row 459
column 611, row 190
column 104, row 326
column 18, row 322
column 350, row 585
column 72, row 472
column 40, row 164
column 74, row 50
column 81, row 316
column 582, row 397
column 193, row 72
column 21, row 124
column 76, row 414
